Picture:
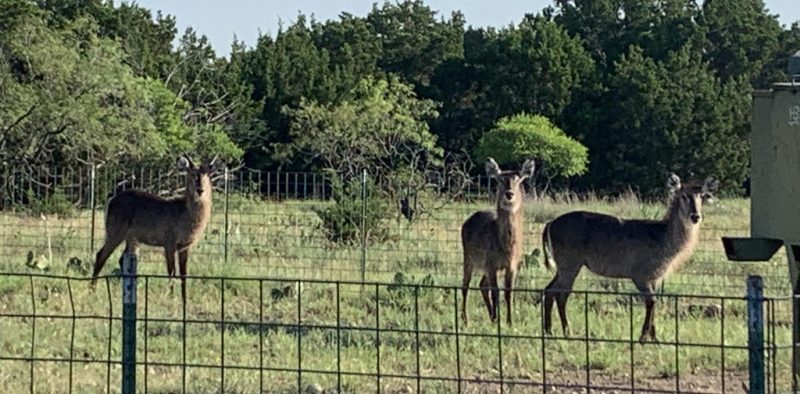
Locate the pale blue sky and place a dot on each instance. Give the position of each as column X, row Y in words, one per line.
column 220, row 20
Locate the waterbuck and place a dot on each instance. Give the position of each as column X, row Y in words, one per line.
column 135, row 217
column 646, row 251
column 492, row 240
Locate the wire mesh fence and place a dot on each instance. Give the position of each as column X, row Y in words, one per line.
column 298, row 284
column 274, row 335
column 293, row 225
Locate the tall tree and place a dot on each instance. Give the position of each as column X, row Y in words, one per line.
column 533, row 67
column 147, row 40
column 609, row 27
column 414, row 41
column 776, row 69
column 318, row 62
column 669, row 116
column 352, row 47
column 741, row 37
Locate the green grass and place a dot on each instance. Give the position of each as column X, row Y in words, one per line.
column 282, row 241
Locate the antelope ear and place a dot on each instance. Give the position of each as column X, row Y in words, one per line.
column 183, row 163
column 527, row 169
column 492, row 168
column 673, row 183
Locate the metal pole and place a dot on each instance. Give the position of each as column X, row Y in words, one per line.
column 128, row 322
column 755, row 333
column 364, row 226
column 226, row 213
column 92, row 203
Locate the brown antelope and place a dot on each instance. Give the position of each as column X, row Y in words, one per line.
column 175, row 224
column 646, row 251
column 492, row 240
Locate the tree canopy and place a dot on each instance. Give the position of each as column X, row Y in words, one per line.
column 525, row 136
column 646, row 86
column 381, row 129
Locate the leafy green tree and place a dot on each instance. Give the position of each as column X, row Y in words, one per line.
column 381, row 129
column 238, row 113
column 170, row 132
column 63, row 97
column 534, row 67
column 519, row 137
column 146, row 38
column 69, row 98
column 217, row 97
column 13, row 13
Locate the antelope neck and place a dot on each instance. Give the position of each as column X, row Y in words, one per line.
column 680, row 229
column 509, row 226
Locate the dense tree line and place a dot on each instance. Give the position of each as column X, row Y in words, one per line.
column 648, row 86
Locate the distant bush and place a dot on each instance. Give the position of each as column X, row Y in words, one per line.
column 56, row 204
column 522, row 136
column 359, row 212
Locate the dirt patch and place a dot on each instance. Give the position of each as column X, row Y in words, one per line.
column 604, row 383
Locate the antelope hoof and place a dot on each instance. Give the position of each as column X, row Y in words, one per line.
column 653, row 338
column 644, row 336
column 650, row 332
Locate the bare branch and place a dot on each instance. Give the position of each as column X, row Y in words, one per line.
column 17, row 121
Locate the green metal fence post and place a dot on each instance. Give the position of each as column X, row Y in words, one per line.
column 755, row 333
column 128, row 322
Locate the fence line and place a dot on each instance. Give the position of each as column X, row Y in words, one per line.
column 273, row 223
column 237, row 334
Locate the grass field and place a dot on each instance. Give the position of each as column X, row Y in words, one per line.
column 295, row 317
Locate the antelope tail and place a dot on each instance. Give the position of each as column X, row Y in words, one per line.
column 547, row 247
